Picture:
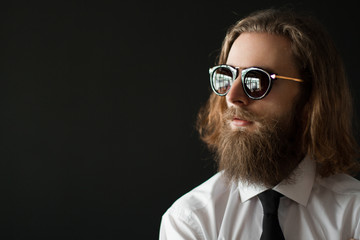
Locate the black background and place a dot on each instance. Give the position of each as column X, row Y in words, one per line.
column 97, row 119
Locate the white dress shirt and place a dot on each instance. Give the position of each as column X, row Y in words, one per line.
column 313, row 208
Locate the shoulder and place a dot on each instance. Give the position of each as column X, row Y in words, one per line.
column 202, row 198
column 192, row 216
column 340, row 194
column 341, row 184
column 340, row 188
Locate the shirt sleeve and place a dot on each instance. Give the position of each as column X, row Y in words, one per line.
column 178, row 227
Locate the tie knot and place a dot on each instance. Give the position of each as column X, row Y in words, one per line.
column 270, row 201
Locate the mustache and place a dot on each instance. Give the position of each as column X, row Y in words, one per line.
column 243, row 114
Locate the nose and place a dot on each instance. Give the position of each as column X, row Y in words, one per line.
column 236, row 96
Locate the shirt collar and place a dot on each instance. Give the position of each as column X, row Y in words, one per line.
column 298, row 190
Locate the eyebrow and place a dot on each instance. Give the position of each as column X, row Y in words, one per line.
column 269, row 70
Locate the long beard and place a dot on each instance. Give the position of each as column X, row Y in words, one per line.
column 265, row 156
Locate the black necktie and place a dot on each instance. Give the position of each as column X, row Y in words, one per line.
column 271, row 229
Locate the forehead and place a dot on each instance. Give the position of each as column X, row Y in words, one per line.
column 264, row 50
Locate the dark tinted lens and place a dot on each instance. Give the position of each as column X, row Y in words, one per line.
column 222, row 80
column 256, row 83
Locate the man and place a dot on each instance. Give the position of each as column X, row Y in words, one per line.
column 279, row 121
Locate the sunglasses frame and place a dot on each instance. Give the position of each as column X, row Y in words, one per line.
column 235, row 74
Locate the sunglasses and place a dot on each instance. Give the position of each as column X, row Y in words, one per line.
column 256, row 82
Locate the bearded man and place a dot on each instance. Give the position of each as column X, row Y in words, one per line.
column 279, row 121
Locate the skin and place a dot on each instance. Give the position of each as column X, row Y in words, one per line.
column 272, row 53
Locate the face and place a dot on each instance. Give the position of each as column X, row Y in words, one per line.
column 259, row 140
column 272, row 53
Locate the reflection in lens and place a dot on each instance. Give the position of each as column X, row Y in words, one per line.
column 253, row 84
column 256, row 83
column 222, row 78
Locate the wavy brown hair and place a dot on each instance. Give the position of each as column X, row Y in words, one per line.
column 326, row 112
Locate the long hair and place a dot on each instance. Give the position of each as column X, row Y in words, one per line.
column 326, row 113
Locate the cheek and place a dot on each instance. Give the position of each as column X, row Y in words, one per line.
column 285, row 91
column 281, row 101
